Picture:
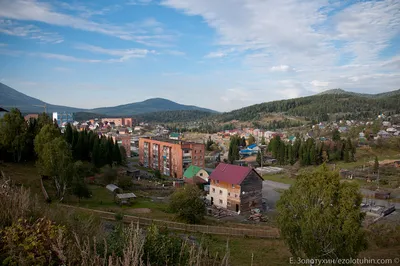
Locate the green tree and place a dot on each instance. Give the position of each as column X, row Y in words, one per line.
column 376, row 165
column 242, row 142
column 96, row 152
column 259, row 158
column 263, row 141
column 320, row 217
column 55, row 160
column 116, row 154
column 68, row 133
column 124, row 159
column 13, row 133
column 233, row 152
column 187, row 204
column 336, row 135
column 47, row 133
column 251, row 139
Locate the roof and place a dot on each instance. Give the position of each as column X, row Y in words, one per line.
column 112, row 187
column 174, row 135
column 3, row 110
column 126, row 196
column 252, row 146
column 230, row 173
column 191, row 171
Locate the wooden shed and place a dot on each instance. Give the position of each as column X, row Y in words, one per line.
column 125, row 198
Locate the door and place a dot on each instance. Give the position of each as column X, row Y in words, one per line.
column 237, row 207
column 212, row 201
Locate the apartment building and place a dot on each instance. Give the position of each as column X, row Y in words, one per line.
column 125, row 141
column 171, row 157
column 118, row 121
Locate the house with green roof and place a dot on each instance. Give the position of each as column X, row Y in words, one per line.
column 195, row 171
column 175, row 136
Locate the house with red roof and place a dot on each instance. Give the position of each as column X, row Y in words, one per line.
column 236, row 188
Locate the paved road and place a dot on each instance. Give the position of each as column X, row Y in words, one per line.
column 272, row 196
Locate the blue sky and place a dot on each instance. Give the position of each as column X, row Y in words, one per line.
column 222, row 54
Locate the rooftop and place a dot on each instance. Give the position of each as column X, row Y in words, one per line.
column 229, row 173
column 163, row 139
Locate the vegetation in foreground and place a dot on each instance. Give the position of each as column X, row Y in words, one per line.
column 39, row 234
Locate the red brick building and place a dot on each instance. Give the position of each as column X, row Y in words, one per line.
column 171, row 157
column 119, row 121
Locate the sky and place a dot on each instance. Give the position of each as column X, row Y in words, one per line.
column 218, row 54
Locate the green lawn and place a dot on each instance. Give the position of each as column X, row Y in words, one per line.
column 282, row 178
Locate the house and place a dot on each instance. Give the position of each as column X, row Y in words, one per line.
column 250, row 150
column 343, row 129
column 236, row 188
column 175, row 136
column 383, row 134
column 391, row 130
column 195, row 171
column 386, row 124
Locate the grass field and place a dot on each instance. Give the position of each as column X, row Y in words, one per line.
column 282, row 178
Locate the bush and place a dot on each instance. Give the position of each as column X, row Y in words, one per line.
column 39, row 243
column 187, row 204
column 109, row 175
column 125, row 182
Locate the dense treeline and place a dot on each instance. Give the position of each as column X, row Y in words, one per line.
column 320, row 107
column 173, row 116
column 65, row 158
column 311, row 152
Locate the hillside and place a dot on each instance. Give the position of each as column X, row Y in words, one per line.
column 334, row 104
column 147, row 106
column 10, row 98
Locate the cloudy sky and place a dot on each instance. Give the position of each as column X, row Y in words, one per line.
column 219, row 54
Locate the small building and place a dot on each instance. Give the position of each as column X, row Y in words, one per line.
column 236, row 188
column 383, row 134
column 125, row 198
column 29, row 116
column 386, row 124
column 113, row 188
column 193, row 171
column 133, row 172
column 174, row 136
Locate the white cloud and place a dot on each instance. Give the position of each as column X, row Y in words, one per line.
column 124, row 54
column 139, row 2
column 28, row 10
column 28, row 31
column 319, row 50
column 281, row 68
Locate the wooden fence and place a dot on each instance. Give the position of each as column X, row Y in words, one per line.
column 257, row 231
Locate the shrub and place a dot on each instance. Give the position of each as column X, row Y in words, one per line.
column 39, row 243
column 109, row 175
column 187, row 204
column 125, row 182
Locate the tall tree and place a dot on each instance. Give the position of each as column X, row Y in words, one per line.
column 123, row 155
column 13, row 133
column 188, row 205
column 46, row 134
column 233, row 153
column 96, row 160
column 336, row 135
column 259, row 158
column 263, row 141
column 376, row 165
column 116, row 154
column 320, row 217
column 242, row 142
column 68, row 133
column 55, row 160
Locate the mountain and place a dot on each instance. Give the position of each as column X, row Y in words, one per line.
column 147, row 106
column 332, row 104
column 10, row 98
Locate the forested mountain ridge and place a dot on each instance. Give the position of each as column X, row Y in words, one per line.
column 321, row 107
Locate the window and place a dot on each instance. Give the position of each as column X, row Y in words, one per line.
column 229, row 193
column 220, row 201
column 213, row 190
column 201, row 174
column 195, row 157
column 229, row 203
column 233, row 186
column 220, row 192
column 235, row 195
column 195, row 151
column 201, row 157
column 217, row 181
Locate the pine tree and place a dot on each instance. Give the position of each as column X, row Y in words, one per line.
column 117, row 154
column 263, row 141
column 110, row 148
column 335, row 135
column 376, row 165
column 251, row 140
column 242, row 142
column 96, row 152
column 259, row 158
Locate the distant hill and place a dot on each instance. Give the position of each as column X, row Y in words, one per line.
column 10, row 98
column 147, row 106
column 329, row 105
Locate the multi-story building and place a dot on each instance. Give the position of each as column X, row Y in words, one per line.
column 118, row 121
column 171, row 157
column 237, row 188
column 63, row 118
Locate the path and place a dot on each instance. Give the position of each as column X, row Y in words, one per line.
column 256, row 231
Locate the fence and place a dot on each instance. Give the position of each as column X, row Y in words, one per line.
column 257, row 232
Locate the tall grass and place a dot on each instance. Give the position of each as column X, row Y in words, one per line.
column 76, row 238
